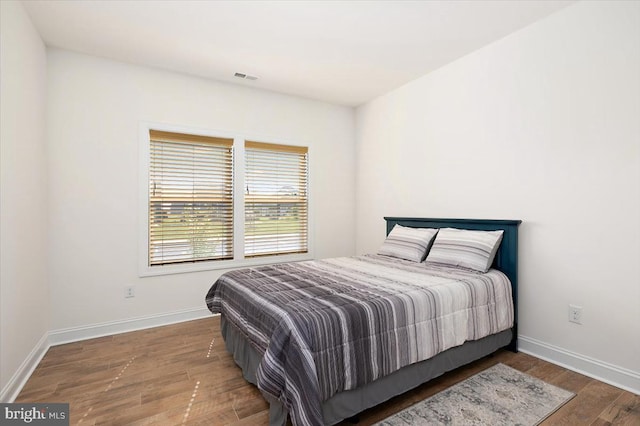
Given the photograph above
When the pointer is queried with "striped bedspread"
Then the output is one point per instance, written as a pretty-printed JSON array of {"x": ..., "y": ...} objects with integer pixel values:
[{"x": 330, "y": 325}]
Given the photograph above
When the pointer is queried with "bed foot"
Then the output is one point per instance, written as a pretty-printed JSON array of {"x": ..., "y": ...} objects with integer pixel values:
[{"x": 513, "y": 345}]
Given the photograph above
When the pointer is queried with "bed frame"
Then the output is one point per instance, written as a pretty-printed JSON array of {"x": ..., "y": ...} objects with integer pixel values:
[{"x": 348, "y": 404}]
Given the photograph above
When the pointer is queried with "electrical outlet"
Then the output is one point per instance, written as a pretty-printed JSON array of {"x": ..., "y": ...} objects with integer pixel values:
[
  {"x": 575, "y": 314},
  {"x": 129, "y": 292}
]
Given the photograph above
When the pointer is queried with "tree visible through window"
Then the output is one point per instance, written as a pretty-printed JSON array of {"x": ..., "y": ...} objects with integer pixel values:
[{"x": 190, "y": 198}]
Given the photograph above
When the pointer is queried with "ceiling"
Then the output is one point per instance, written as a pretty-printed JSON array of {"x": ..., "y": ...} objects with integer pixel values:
[{"x": 343, "y": 52}]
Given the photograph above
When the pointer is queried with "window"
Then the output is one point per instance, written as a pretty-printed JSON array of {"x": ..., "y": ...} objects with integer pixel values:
[
  {"x": 215, "y": 200},
  {"x": 190, "y": 198},
  {"x": 275, "y": 200}
]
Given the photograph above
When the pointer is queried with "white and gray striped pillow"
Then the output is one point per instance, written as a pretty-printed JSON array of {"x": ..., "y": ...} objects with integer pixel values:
[
  {"x": 465, "y": 249},
  {"x": 408, "y": 243}
]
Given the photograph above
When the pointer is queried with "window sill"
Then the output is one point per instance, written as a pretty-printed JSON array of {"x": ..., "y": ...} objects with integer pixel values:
[{"x": 152, "y": 271}]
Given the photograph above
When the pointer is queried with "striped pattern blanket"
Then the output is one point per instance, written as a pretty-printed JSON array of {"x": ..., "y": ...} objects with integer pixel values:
[{"x": 331, "y": 325}]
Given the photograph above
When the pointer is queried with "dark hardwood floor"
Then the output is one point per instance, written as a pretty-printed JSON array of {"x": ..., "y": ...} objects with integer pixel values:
[{"x": 182, "y": 374}]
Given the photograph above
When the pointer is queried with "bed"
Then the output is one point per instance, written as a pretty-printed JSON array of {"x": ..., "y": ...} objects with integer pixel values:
[{"x": 324, "y": 340}]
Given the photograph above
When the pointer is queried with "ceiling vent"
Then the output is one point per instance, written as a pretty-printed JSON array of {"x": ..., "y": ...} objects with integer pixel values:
[{"x": 245, "y": 76}]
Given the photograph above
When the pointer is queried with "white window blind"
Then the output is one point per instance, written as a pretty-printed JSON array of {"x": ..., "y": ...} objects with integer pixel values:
[
  {"x": 190, "y": 198},
  {"x": 276, "y": 199}
]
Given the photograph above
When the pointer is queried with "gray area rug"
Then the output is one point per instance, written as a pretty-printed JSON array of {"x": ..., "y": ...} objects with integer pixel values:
[{"x": 499, "y": 395}]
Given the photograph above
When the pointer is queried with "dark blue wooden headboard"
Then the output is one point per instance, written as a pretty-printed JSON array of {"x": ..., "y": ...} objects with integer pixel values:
[{"x": 506, "y": 259}]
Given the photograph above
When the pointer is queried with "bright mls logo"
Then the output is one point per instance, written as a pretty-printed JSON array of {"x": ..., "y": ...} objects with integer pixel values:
[{"x": 34, "y": 414}]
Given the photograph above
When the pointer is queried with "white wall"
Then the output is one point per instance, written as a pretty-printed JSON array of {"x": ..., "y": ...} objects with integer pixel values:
[
  {"x": 24, "y": 295},
  {"x": 94, "y": 109},
  {"x": 542, "y": 126}
]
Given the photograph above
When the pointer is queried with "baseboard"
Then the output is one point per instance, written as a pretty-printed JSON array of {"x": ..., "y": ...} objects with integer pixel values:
[
  {"x": 607, "y": 373},
  {"x": 75, "y": 334},
  {"x": 14, "y": 386}
]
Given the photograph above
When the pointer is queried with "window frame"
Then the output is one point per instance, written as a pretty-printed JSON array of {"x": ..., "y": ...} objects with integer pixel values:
[{"x": 238, "y": 261}]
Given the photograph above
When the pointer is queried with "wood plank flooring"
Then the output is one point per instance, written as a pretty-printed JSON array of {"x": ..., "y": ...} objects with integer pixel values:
[{"x": 182, "y": 374}]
